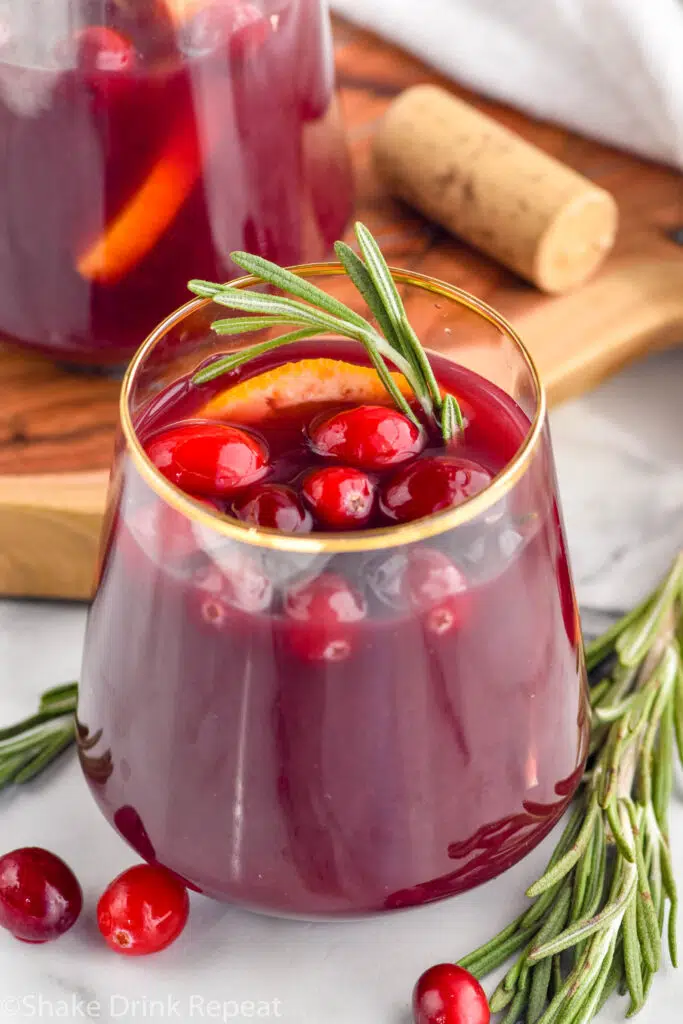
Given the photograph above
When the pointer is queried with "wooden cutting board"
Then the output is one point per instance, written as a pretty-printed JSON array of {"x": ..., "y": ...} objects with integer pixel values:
[{"x": 56, "y": 428}]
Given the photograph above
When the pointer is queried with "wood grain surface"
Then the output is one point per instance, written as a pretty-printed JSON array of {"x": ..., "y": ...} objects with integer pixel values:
[{"x": 57, "y": 427}]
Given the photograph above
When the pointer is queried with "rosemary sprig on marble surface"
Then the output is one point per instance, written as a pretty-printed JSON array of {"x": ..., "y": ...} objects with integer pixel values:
[
  {"x": 608, "y": 895},
  {"x": 28, "y": 747}
]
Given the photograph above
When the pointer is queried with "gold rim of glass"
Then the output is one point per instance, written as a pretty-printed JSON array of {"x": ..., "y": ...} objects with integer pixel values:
[{"x": 361, "y": 540}]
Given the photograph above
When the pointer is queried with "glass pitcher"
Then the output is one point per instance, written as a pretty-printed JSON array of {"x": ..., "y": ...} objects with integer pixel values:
[{"x": 144, "y": 140}]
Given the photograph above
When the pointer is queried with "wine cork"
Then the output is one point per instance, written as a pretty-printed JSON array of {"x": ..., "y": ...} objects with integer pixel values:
[{"x": 489, "y": 186}]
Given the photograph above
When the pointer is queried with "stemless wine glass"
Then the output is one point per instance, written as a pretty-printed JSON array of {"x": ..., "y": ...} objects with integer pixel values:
[
  {"x": 422, "y": 757},
  {"x": 144, "y": 140}
]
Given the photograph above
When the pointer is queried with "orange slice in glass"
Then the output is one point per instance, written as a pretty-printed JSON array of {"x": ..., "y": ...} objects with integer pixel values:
[{"x": 294, "y": 386}]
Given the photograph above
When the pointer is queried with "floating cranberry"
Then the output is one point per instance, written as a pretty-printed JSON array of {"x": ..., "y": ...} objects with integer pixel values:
[
  {"x": 340, "y": 497},
  {"x": 437, "y": 589},
  {"x": 322, "y": 613},
  {"x": 104, "y": 49},
  {"x": 208, "y": 459},
  {"x": 431, "y": 484},
  {"x": 237, "y": 582},
  {"x": 212, "y": 609},
  {"x": 446, "y": 994},
  {"x": 274, "y": 506},
  {"x": 368, "y": 436},
  {"x": 40, "y": 897},
  {"x": 143, "y": 911}
]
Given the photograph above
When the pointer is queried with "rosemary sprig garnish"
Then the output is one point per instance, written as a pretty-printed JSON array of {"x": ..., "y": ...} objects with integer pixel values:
[
  {"x": 28, "y": 747},
  {"x": 312, "y": 312},
  {"x": 600, "y": 909}
]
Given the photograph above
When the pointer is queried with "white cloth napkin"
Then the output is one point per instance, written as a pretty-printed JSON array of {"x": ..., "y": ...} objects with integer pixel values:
[{"x": 610, "y": 69}]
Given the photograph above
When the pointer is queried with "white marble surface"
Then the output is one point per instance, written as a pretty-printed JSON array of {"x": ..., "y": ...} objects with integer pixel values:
[{"x": 620, "y": 461}]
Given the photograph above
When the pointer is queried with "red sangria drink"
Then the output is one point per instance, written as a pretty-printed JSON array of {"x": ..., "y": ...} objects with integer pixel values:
[
  {"x": 142, "y": 142},
  {"x": 333, "y": 665}
]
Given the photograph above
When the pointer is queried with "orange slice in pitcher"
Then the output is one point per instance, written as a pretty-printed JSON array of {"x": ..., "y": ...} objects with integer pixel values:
[
  {"x": 299, "y": 385},
  {"x": 181, "y": 11},
  {"x": 145, "y": 217},
  {"x": 141, "y": 222}
]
